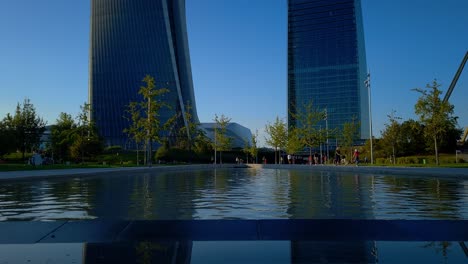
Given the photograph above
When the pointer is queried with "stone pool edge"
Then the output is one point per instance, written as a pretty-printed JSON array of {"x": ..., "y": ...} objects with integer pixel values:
[
  {"x": 374, "y": 170},
  {"x": 406, "y": 171},
  {"x": 44, "y": 174}
]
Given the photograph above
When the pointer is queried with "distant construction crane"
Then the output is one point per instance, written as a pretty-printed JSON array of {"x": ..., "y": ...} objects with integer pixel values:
[{"x": 450, "y": 90}]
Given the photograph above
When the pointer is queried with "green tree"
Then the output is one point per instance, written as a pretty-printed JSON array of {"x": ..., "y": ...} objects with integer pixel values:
[
  {"x": 246, "y": 150},
  {"x": 86, "y": 140},
  {"x": 349, "y": 136},
  {"x": 202, "y": 143},
  {"x": 63, "y": 136},
  {"x": 147, "y": 120},
  {"x": 448, "y": 140},
  {"x": 412, "y": 138},
  {"x": 189, "y": 132},
  {"x": 308, "y": 119},
  {"x": 222, "y": 142},
  {"x": 435, "y": 114},
  {"x": 253, "y": 150},
  {"x": 27, "y": 127},
  {"x": 7, "y": 139},
  {"x": 278, "y": 135},
  {"x": 391, "y": 134},
  {"x": 135, "y": 130},
  {"x": 294, "y": 143}
]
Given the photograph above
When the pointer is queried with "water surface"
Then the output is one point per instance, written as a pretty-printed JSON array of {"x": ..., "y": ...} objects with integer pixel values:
[{"x": 236, "y": 194}]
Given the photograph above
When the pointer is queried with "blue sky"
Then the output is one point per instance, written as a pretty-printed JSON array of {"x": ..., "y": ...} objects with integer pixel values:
[{"x": 238, "y": 53}]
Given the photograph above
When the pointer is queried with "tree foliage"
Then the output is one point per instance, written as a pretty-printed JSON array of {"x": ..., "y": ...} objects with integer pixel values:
[
  {"x": 222, "y": 142},
  {"x": 349, "y": 136},
  {"x": 26, "y": 126},
  {"x": 412, "y": 140},
  {"x": 151, "y": 106},
  {"x": 294, "y": 143},
  {"x": 253, "y": 150},
  {"x": 143, "y": 115},
  {"x": 187, "y": 134},
  {"x": 435, "y": 114},
  {"x": 63, "y": 134},
  {"x": 308, "y": 119},
  {"x": 391, "y": 134},
  {"x": 278, "y": 135},
  {"x": 86, "y": 141},
  {"x": 135, "y": 130},
  {"x": 7, "y": 139}
]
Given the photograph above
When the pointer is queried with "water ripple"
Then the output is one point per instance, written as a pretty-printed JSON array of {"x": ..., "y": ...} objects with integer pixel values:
[{"x": 236, "y": 194}]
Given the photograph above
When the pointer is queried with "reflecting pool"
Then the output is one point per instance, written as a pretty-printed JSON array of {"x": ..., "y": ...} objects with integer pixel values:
[{"x": 235, "y": 194}]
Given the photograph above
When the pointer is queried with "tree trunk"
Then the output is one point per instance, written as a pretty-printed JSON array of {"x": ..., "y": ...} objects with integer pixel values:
[
  {"x": 220, "y": 157},
  {"x": 393, "y": 150},
  {"x": 436, "y": 151},
  {"x": 309, "y": 159},
  {"x": 276, "y": 150},
  {"x": 138, "y": 161}
]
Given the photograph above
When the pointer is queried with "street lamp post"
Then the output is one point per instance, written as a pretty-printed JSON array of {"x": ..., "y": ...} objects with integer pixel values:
[{"x": 368, "y": 85}]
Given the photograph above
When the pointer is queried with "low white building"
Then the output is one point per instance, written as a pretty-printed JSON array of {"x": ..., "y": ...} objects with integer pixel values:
[{"x": 238, "y": 133}]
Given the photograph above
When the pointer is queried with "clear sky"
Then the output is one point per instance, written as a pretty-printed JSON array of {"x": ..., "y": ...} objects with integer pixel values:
[{"x": 239, "y": 56}]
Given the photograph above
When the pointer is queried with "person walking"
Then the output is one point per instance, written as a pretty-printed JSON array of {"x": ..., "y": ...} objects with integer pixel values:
[
  {"x": 356, "y": 156},
  {"x": 337, "y": 156}
]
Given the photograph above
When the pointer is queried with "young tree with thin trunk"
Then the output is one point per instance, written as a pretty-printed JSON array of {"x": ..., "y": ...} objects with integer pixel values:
[
  {"x": 391, "y": 134},
  {"x": 147, "y": 122},
  {"x": 253, "y": 150},
  {"x": 294, "y": 143},
  {"x": 222, "y": 142},
  {"x": 135, "y": 130},
  {"x": 309, "y": 131},
  {"x": 435, "y": 114},
  {"x": 349, "y": 136},
  {"x": 188, "y": 133},
  {"x": 151, "y": 106},
  {"x": 278, "y": 135},
  {"x": 87, "y": 142},
  {"x": 62, "y": 136}
]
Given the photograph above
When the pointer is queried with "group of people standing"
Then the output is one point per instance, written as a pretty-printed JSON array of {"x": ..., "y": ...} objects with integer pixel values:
[{"x": 341, "y": 159}]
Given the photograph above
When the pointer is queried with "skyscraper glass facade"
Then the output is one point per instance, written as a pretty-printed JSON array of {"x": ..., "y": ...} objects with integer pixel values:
[
  {"x": 327, "y": 62},
  {"x": 129, "y": 40}
]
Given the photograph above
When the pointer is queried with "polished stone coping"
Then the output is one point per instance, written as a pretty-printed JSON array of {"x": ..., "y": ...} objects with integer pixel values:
[
  {"x": 461, "y": 173},
  {"x": 111, "y": 231},
  {"x": 373, "y": 170},
  {"x": 36, "y": 174}
]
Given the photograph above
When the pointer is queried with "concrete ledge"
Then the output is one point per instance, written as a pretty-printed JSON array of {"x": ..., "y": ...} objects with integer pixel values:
[
  {"x": 373, "y": 170},
  {"x": 107, "y": 231},
  {"x": 37, "y": 174},
  {"x": 405, "y": 171}
]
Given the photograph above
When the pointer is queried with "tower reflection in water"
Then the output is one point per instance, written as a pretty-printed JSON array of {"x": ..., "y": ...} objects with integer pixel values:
[
  {"x": 300, "y": 195},
  {"x": 335, "y": 197}
]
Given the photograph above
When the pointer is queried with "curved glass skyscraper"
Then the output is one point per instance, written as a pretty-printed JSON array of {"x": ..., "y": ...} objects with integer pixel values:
[
  {"x": 130, "y": 39},
  {"x": 327, "y": 61}
]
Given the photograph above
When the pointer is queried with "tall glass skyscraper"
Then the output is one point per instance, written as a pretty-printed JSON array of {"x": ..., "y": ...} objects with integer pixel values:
[
  {"x": 130, "y": 39},
  {"x": 327, "y": 61}
]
